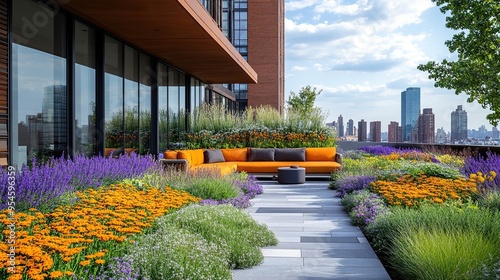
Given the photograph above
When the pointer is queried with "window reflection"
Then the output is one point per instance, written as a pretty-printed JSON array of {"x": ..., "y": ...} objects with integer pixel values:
[
  {"x": 131, "y": 100},
  {"x": 146, "y": 83},
  {"x": 113, "y": 95},
  {"x": 39, "y": 122},
  {"x": 85, "y": 86}
]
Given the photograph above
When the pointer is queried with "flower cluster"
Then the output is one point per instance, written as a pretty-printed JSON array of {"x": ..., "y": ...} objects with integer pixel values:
[
  {"x": 74, "y": 236},
  {"x": 392, "y": 153},
  {"x": 42, "y": 183},
  {"x": 408, "y": 190},
  {"x": 368, "y": 210},
  {"x": 352, "y": 183},
  {"x": 482, "y": 180},
  {"x": 491, "y": 162}
]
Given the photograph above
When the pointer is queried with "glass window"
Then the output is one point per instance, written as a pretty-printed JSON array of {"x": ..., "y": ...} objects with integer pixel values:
[
  {"x": 173, "y": 106},
  {"x": 131, "y": 99},
  {"x": 38, "y": 89},
  {"x": 163, "y": 107},
  {"x": 182, "y": 106},
  {"x": 146, "y": 82},
  {"x": 85, "y": 86},
  {"x": 113, "y": 94}
]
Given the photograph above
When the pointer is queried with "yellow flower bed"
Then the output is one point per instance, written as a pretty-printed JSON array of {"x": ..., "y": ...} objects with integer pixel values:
[
  {"x": 408, "y": 190},
  {"x": 412, "y": 155},
  {"x": 69, "y": 237}
]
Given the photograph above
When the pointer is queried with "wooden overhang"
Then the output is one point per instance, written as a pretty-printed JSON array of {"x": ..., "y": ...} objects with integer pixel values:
[{"x": 180, "y": 32}]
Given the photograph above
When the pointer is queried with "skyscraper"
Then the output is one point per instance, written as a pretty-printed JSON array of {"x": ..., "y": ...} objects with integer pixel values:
[
  {"x": 393, "y": 132},
  {"x": 362, "y": 131},
  {"x": 426, "y": 127},
  {"x": 458, "y": 125},
  {"x": 410, "y": 109},
  {"x": 350, "y": 128},
  {"x": 376, "y": 131},
  {"x": 340, "y": 126}
]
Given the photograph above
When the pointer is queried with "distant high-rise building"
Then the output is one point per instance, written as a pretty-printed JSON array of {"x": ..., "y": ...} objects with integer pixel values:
[
  {"x": 350, "y": 128},
  {"x": 495, "y": 133},
  {"x": 376, "y": 131},
  {"x": 362, "y": 133},
  {"x": 441, "y": 136},
  {"x": 426, "y": 126},
  {"x": 458, "y": 125},
  {"x": 392, "y": 129},
  {"x": 340, "y": 126},
  {"x": 410, "y": 109}
]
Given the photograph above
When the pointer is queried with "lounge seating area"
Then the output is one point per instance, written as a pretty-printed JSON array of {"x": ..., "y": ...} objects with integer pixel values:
[{"x": 316, "y": 161}]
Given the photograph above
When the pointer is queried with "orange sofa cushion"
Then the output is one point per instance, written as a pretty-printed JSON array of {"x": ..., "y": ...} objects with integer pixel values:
[
  {"x": 170, "y": 155},
  {"x": 321, "y": 154},
  {"x": 238, "y": 154},
  {"x": 194, "y": 157}
]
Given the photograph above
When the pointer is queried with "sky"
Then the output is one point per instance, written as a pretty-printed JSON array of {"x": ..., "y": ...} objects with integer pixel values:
[{"x": 363, "y": 53}]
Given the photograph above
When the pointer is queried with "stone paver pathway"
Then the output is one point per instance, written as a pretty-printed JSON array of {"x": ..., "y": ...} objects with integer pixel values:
[{"x": 316, "y": 238}]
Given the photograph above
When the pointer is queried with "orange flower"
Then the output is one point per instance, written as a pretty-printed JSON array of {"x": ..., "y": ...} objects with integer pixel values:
[{"x": 56, "y": 274}]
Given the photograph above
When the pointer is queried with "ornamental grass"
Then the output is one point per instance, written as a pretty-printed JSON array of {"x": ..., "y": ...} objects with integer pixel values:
[
  {"x": 408, "y": 190},
  {"x": 82, "y": 236},
  {"x": 263, "y": 127}
]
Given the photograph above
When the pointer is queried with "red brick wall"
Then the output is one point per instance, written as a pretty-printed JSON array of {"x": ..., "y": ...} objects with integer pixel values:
[{"x": 266, "y": 52}]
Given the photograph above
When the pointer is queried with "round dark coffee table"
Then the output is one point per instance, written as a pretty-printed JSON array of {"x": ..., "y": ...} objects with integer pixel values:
[{"x": 291, "y": 175}]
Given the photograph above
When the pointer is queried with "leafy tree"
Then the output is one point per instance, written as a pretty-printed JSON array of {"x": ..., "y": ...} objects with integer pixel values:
[
  {"x": 303, "y": 102},
  {"x": 477, "y": 43}
]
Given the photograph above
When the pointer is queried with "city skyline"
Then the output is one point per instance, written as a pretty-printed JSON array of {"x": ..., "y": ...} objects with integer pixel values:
[{"x": 362, "y": 54}]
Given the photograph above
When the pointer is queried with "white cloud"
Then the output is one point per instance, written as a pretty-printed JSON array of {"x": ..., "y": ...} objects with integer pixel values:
[
  {"x": 299, "y": 68},
  {"x": 300, "y": 4}
]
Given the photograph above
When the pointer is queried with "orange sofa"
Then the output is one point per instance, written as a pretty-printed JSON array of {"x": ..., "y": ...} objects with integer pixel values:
[{"x": 258, "y": 161}]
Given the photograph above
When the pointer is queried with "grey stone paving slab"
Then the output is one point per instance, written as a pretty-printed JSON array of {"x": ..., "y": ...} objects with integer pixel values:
[
  {"x": 326, "y": 246},
  {"x": 338, "y": 253},
  {"x": 317, "y": 241},
  {"x": 313, "y": 239},
  {"x": 309, "y": 209}
]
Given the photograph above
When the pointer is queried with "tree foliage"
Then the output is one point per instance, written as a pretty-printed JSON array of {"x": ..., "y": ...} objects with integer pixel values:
[
  {"x": 476, "y": 72},
  {"x": 303, "y": 102}
]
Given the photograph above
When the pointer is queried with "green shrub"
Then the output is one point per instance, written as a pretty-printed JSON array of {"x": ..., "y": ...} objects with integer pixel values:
[
  {"x": 173, "y": 253},
  {"x": 431, "y": 169},
  {"x": 212, "y": 188},
  {"x": 233, "y": 230},
  {"x": 204, "y": 183},
  {"x": 437, "y": 254}
]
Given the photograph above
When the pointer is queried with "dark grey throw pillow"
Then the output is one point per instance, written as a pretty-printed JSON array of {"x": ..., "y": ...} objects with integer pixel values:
[
  {"x": 211, "y": 156},
  {"x": 261, "y": 154},
  {"x": 294, "y": 154}
]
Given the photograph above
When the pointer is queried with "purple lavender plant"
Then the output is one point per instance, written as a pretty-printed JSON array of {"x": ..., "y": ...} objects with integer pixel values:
[
  {"x": 368, "y": 210},
  {"x": 118, "y": 268},
  {"x": 491, "y": 162},
  {"x": 42, "y": 183},
  {"x": 387, "y": 150},
  {"x": 352, "y": 183}
]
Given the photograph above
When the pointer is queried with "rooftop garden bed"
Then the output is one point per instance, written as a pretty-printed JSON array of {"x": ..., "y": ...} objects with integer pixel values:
[
  {"x": 124, "y": 218},
  {"x": 427, "y": 215}
]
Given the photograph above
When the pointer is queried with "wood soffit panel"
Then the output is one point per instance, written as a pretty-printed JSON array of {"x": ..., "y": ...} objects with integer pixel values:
[{"x": 180, "y": 32}]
